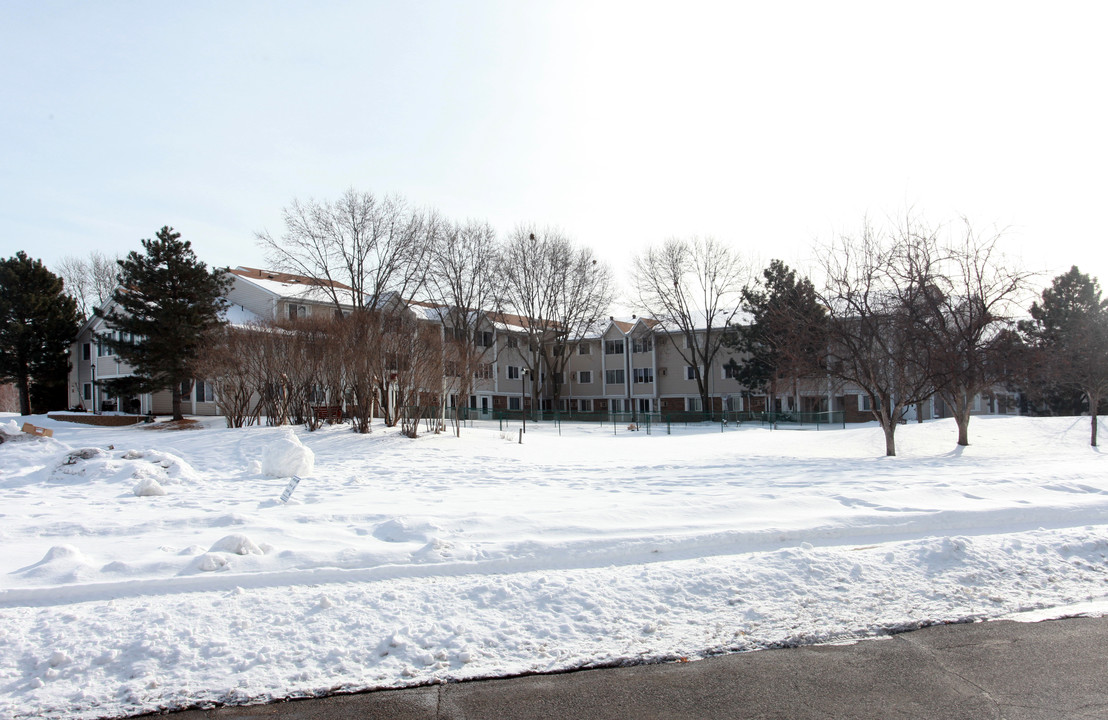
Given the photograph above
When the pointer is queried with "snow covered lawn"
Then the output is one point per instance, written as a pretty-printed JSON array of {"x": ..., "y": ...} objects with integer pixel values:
[{"x": 146, "y": 569}]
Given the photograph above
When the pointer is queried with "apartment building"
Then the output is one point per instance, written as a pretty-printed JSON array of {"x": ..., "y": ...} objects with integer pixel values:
[{"x": 633, "y": 365}]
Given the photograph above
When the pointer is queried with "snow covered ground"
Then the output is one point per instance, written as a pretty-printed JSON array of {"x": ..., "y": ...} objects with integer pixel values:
[{"x": 145, "y": 569}]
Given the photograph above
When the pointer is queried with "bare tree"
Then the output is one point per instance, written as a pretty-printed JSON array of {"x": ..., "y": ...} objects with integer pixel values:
[
  {"x": 693, "y": 288},
  {"x": 559, "y": 291},
  {"x": 307, "y": 367},
  {"x": 416, "y": 358},
  {"x": 872, "y": 283},
  {"x": 372, "y": 247},
  {"x": 225, "y": 361},
  {"x": 358, "y": 346},
  {"x": 465, "y": 286},
  {"x": 965, "y": 313},
  {"x": 89, "y": 280}
]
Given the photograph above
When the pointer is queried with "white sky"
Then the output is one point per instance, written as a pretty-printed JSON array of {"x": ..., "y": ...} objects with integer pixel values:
[{"x": 770, "y": 126}]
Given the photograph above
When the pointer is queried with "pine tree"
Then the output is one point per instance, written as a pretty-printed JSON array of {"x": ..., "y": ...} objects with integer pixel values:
[
  {"x": 786, "y": 337},
  {"x": 167, "y": 300},
  {"x": 1069, "y": 336},
  {"x": 38, "y": 321}
]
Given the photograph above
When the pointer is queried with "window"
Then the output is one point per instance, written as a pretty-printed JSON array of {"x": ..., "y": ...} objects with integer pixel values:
[
  {"x": 583, "y": 349},
  {"x": 644, "y": 375},
  {"x": 559, "y": 378},
  {"x": 513, "y": 403},
  {"x": 483, "y": 371},
  {"x": 296, "y": 311},
  {"x": 513, "y": 372},
  {"x": 450, "y": 369},
  {"x": 483, "y": 338},
  {"x": 205, "y": 392},
  {"x": 694, "y": 404},
  {"x": 613, "y": 347},
  {"x": 690, "y": 372},
  {"x": 512, "y": 342},
  {"x": 731, "y": 371},
  {"x": 584, "y": 377},
  {"x": 86, "y": 353},
  {"x": 88, "y": 388},
  {"x": 614, "y": 377},
  {"x": 584, "y": 405},
  {"x": 557, "y": 350},
  {"x": 459, "y": 333},
  {"x": 642, "y": 344},
  {"x": 644, "y": 405},
  {"x": 864, "y": 404}
]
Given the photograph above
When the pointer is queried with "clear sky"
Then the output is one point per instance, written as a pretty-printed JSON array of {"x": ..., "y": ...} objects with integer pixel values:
[{"x": 772, "y": 126}]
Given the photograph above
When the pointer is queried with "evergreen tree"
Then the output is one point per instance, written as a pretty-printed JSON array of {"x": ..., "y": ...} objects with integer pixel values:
[
  {"x": 786, "y": 337},
  {"x": 165, "y": 303},
  {"x": 1068, "y": 333},
  {"x": 38, "y": 321}
]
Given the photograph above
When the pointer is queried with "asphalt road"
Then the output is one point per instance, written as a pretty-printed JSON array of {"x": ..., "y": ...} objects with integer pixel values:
[{"x": 1017, "y": 671}]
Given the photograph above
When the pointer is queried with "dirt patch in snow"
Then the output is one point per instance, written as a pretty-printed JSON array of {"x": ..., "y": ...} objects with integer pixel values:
[{"x": 185, "y": 424}]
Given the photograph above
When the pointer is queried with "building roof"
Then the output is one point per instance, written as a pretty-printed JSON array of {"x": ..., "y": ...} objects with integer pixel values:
[
  {"x": 285, "y": 278},
  {"x": 286, "y": 285}
]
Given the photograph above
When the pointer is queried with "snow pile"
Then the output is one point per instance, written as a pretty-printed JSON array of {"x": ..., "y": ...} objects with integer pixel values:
[
  {"x": 287, "y": 456},
  {"x": 406, "y": 563},
  {"x": 173, "y": 468},
  {"x": 238, "y": 544},
  {"x": 148, "y": 487}
]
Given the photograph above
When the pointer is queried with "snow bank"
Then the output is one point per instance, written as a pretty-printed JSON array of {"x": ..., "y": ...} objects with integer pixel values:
[{"x": 406, "y": 563}]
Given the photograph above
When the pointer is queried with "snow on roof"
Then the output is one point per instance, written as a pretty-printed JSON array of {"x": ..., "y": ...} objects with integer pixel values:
[
  {"x": 310, "y": 293},
  {"x": 426, "y": 311},
  {"x": 294, "y": 287},
  {"x": 700, "y": 321},
  {"x": 238, "y": 315},
  {"x": 285, "y": 278}
]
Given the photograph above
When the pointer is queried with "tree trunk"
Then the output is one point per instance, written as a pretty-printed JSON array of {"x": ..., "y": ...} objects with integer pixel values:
[
  {"x": 889, "y": 427},
  {"x": 1094, "y": 403},
  {"x": 177, "y": 405},
  {"x": 959, "y": 402},
  {"x": 961, "y": 418},
  {"x": 24, "y": 395}
]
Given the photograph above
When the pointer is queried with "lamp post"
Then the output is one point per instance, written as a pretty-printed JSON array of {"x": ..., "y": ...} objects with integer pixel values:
[{"x": 523, "y": 396}]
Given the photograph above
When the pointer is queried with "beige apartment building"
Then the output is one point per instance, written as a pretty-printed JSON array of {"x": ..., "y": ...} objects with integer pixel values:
[{"x": 632, "y": 366}]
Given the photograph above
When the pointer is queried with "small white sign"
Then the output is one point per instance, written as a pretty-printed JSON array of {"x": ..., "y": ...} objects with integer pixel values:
[{"x": 288, "y": 490}]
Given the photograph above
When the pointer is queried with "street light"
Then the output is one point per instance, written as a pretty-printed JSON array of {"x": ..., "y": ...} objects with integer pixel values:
[{"x": 522, "y": 396}]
